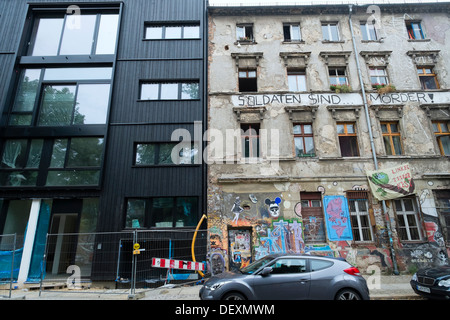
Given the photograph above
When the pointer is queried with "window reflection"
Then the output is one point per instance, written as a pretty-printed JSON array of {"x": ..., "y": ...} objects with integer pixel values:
[{"x": 83, "y": 34}]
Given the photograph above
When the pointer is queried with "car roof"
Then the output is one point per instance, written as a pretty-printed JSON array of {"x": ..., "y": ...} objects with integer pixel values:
[{"x": 277, "y": 255}]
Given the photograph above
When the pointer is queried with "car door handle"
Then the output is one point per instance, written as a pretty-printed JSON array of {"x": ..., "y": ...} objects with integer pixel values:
[{"x": 304, "y": 280}]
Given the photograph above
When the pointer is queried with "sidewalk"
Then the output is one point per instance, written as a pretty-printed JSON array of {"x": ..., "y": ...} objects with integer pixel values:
[{"x": 389, "y": 288}]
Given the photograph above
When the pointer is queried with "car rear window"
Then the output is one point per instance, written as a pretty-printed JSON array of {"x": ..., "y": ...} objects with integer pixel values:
[{"x": 317, "y": 265}]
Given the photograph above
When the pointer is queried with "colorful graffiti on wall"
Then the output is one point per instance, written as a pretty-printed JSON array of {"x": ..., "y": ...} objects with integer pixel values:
[{"x": 281, "y": 237}]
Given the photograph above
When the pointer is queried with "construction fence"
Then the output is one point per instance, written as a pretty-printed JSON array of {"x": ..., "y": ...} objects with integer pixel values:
[{"x": 114, "y": 260}]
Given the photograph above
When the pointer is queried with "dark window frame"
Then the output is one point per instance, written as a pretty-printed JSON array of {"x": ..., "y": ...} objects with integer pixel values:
[{"x": 148, "y": 219}]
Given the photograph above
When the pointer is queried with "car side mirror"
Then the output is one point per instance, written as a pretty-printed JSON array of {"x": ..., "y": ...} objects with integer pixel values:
[{"x": 266, "y": 271}]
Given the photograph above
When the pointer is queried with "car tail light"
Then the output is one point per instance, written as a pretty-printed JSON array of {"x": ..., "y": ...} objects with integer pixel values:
[{"x": 353, "y": 271}]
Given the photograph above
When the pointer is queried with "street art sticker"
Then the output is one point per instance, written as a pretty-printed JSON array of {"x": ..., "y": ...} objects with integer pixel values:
[
  {"x": 391, "y": 183},
  {"x": 337, "y": 218},
  {"x": 274, "y": 207},
  {"x": 282, "y": 237}
]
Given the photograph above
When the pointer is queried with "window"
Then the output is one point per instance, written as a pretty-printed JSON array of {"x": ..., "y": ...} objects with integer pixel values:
[
  {"x": 359, "y": 213},
  {"x": 378, "y": 76},
  {"x": 317, "y": 265},
  {"x": 20, "y": 162},
  {"x": 162, "y": 212},
  {"x": 441, "y": 130},
  {"x": 303, "y": 140},
  {"x": 250, "y": 140},
  {"x": 408, "y": 219},
  {"x": 77, "y": 34},
  {"x": 170, "y": 153},
  {"x": 369, "y": 33},
  {"x": 159, "y": 32},
  {"x": 247, "y": 81},
  {"x": 244, "y": 32},
  {"x": 81, "y": 96},
  {"x": 415, "y": 31},
  {"x": 297, "y": 80},
  {"x": 170, "y": 91},
  {"x": 330, "y": 31},
  {"x": 427, "y": 77},
  {"x": 347, "y": 139},
  {"x": 391, "y": 138},
  {"x": 291, "y": 32},
  {"x": 443, "y": 207},
  {"x": 75, "y": 161},
  {"x": 72, "y": 161},
  {"x": 338, "y": 76},
  {"x": 312, "y": 213},
  {"x": 292, "y": 265}
]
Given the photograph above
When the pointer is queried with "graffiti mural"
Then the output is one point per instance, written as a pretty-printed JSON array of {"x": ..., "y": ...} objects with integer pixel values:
[
  {"x": 281, "y": 237},
  {"x": 337, "y": 218}
]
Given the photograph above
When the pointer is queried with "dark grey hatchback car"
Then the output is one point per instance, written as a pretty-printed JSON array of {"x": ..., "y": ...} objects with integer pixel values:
[{"x": 289, "y": 277}]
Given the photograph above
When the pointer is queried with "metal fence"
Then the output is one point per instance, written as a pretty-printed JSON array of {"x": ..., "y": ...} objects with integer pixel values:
[
  {"x": 10, "y": 257},
  {"x": 111, "y": 259}
]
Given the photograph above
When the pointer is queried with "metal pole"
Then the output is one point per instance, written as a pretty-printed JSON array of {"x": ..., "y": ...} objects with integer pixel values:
[
  {"x": 369, "y": 125},
  {"x": 12, "y": 266},
  {"x": 133, "y": 265}
]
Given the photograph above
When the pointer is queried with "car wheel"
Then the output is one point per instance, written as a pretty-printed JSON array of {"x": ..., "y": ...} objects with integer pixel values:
[
  {"x": 233, "y": 296},
  {"x": 347, "y": 294}
]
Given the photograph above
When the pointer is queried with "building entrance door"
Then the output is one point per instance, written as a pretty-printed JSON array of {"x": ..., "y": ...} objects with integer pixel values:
[
  {"x": 240, "y": 247},
  {"x": 63, "y": 236}
]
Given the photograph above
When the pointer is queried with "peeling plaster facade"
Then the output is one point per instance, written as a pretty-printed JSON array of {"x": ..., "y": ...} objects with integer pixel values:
[{"x": 255, "y": 204}]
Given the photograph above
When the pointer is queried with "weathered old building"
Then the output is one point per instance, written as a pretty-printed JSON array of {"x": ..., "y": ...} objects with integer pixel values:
[{"x": 305, "y": 103}]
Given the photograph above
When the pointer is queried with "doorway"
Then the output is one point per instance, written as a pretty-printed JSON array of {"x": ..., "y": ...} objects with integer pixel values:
[
  {"x": 240, "y": 247},
  {"x": 63, "y": 237}
]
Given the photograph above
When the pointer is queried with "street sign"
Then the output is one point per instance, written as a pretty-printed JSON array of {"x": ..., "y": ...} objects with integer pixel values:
[
  {"x": 136, "y": 246},
  {"x": 177, "y": 264}
]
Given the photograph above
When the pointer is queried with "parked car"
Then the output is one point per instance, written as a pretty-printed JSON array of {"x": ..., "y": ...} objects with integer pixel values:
[
  {"x": 432, "y": 283},
  {"x": 289, "y": 277}
]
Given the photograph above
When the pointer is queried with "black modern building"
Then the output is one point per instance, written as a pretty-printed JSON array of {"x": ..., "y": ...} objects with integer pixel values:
[{"x": 96, "y": 97}]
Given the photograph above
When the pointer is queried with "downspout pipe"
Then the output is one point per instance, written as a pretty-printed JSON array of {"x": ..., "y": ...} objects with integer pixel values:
[{"x": 372, "y": 145}]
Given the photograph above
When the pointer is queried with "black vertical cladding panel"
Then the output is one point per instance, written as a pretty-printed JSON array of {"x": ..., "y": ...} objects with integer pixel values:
[
  {"x": 134, "y": 121},
  {"x": 131, "y": 120}
]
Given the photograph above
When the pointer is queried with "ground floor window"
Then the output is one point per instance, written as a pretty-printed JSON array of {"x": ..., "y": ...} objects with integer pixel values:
[
  {"x": 408, "y": 219},
  {"x": 443, "y": 207},
  {"x": 162, "y": 212},
  {"x": 360, "y": 216}
]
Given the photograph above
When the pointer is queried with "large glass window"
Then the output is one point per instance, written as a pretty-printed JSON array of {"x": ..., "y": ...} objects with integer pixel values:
[
  {"x": 162, "y": 212},
  {"x": 77, "y": 34},
  {"x": 149, "y": 154},
  {"x": 75, "y": 161},
  {"x": 84, "y": 99},
  {"x": 20, "y": 162}
]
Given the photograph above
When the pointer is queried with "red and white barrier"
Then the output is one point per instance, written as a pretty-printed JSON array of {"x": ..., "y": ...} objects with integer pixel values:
[{"x": 177, "y": 264}]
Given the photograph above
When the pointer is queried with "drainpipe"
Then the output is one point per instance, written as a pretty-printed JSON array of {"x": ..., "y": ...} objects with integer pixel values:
[{"x": 372, "y": 146}]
